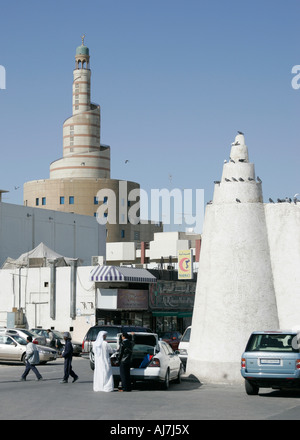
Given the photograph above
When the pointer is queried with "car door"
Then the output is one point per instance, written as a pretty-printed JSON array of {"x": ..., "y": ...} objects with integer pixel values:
[
  {"x": 8, "y": 349},
  {"x": 173, "y": 361}
]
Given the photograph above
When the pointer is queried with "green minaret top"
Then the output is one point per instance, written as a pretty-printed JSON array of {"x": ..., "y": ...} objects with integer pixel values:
[{"x": 82, "y": 50}]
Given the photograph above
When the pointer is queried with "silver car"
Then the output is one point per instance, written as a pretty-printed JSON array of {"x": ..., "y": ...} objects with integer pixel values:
[
  {"x": 271, "y": 360},
  {"x": 36, "y": 339},
  {"x": 13, "y": 349}
]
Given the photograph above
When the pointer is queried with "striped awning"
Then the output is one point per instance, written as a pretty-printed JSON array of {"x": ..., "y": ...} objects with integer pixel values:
[{"x": 114, "y": 273}]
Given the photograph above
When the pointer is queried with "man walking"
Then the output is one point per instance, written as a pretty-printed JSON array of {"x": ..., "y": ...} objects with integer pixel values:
[
  {"x": 67, "y": 355},
  {"x": 32, "y": 359}
]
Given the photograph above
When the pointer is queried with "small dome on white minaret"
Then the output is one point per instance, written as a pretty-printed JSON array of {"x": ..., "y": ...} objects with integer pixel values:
[
  {"x": 239, "y": 150},
  {"x": 238, "y": 180}
]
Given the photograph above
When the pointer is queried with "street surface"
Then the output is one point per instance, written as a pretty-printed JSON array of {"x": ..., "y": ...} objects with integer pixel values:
[{"x": 50, "y": 400}]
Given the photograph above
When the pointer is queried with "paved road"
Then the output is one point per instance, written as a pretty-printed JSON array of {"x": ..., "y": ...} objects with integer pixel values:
[{"x": 50, "y": 400}]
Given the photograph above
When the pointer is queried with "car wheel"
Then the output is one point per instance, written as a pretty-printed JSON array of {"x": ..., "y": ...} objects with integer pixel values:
[
  {"x": 178, "y": 380},
  {"x": 166, "y": 382},
  {"x": 23, "y": 358},
  {"x": 92, "y": 360},
  {"x": 251, "y": 389}
]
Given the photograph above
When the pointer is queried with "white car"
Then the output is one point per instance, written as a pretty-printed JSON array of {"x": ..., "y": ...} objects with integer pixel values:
[
  {"x": 184, "y": 345},
  {"x": 152, "y": 361}
]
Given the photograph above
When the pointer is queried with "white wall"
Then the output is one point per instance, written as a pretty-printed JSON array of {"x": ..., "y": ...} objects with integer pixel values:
[
  {"x": 120, "y": 251},
  {"x": 283, "y": 224},
  {"x": 167, "y": 244},
  {"x": 72, "y": 235},
  {"x": 29, "y": 289}
]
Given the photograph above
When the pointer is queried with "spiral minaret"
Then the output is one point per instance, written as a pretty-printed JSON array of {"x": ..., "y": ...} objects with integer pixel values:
[{"x": 83, "y": 155}]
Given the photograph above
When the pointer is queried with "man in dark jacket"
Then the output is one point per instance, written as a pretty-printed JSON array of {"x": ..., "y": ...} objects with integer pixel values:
[
  {"x": 67, "y": 355},
  {"x": 125, "y": 356}
]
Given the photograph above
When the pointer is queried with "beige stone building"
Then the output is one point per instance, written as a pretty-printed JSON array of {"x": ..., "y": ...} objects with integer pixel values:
[{"x": 76, "y": 178}]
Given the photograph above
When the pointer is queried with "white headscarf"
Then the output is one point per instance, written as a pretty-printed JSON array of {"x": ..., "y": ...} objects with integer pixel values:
[{"x": 98, "y": 343}]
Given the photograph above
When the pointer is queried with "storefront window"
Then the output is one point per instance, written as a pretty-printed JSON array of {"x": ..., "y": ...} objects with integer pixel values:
[{"x": 166, "y": 323}]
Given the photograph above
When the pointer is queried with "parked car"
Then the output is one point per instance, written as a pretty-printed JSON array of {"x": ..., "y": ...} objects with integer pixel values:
[
  {"x": 172, "y": 338},
  {"x": 13, "y": 348},
  {"x": 271, "y": 360},
  {"x": 36, "y": 339},
  {"x": 112, "y": 337},
  {"x": 60, "y": 340},
  {"x": 183, "y": 346},
  {"x": 152, "y": 361}
]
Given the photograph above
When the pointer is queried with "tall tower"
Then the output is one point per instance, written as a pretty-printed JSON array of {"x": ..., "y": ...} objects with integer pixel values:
[
  {"x": 84, "y": 169},
  {"x": 83, "y": 155},
  {"x": 235, "y": 292}
]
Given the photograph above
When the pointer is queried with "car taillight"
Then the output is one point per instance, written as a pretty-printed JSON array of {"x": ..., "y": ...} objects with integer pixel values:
[
  {"x": 154, "y": 363},
  {"x": 243, "y": 363},
  {"x": 298, "y": 364},
  {"x": 35, "y": 341}
]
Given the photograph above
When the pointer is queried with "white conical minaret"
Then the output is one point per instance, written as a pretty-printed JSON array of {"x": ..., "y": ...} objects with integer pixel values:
[{"x": 235, "y": 293}]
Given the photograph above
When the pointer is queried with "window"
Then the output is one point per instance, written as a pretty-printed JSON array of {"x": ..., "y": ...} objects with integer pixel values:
[
  {"x": 43, "y": 200},
  {"x": 122, "y": 233},
  {"x": 37, "y": 202},
  {"x": 105, "y": 199},
  {"x": 71, "y": 200},
  {"x": 136, "y": 235},
  {"x": 62, "y": 200},
  {"x": 95, "y": 200}
]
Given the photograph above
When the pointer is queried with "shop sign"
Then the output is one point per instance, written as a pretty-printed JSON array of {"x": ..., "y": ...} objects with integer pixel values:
[
  {"x": 185, "y": 264},
  {"x": 130, "y": 299},
  {"x": 168, "y": 295}
]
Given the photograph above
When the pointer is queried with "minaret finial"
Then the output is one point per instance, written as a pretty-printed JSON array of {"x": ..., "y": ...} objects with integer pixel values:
[{"x": 82, "y": 39}]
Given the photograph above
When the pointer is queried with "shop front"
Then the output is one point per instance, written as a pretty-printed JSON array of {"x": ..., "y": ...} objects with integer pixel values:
[
  {"x": 171, "y": 304},
  {"x": 122, "y": 295}
]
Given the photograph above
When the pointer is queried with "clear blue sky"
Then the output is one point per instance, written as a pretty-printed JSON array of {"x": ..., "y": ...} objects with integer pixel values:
[{"x": 175, "y": 81}]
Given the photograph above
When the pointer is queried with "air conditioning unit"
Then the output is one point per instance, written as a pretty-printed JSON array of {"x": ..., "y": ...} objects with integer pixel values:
[{"x": 98, "y": 260}]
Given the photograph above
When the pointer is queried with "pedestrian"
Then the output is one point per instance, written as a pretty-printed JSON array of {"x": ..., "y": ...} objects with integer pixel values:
[
  {"x": 67, "y": 355},
  {"x": 103, "y": 377},
  {"x": 51, "y": 338},
  {"x": 32, "y": 359},
  {"x": 125, "y": 356}
]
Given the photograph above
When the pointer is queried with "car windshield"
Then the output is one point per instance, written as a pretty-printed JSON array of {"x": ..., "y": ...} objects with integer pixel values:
[
  {"x": 273, "y": 342},
  {"x": 27, "y": 332},
  {"x": 145, "y": 349},
  {"x": 20, "y": 340},
  {"x": 186, "y": 336},
  {"x": 111, "y": 332},
  {"x": 57, "y": 334}
]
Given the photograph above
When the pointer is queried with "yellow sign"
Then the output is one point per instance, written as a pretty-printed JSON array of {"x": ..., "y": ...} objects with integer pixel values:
[{"x": 185, "y": 265}]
